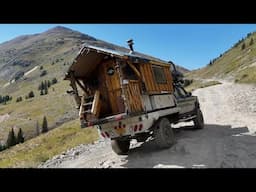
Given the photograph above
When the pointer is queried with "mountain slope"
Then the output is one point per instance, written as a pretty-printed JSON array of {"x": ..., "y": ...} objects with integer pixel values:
[{"x": 237, "y": 64}]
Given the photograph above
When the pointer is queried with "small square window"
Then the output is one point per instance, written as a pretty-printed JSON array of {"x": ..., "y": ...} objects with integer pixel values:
[{"x": 159, "y": 74}]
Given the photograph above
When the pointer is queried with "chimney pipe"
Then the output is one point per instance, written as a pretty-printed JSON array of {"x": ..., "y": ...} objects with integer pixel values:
[{"x": 130, "y": 44}]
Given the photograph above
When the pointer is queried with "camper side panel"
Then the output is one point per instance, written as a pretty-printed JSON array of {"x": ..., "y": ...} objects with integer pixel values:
[{"x": 157, "y": 78}]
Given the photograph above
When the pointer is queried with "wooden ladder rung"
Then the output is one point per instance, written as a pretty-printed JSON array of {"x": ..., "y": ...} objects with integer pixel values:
[
  {"x": 87, "y": 111},
  {"x": 86, "y": 104}
]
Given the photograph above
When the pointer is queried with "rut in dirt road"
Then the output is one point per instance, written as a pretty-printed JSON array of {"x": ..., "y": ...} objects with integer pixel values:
[{"x": 228, "y": 139}]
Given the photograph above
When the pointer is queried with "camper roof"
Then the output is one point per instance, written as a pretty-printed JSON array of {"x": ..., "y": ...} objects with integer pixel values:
[{"x": 90, "y": 56}]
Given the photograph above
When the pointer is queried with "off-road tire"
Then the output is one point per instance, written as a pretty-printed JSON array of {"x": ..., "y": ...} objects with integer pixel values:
[
  {"x": 120, "y": 147},
  {"x": 163, "y": 134},
  {"x": 199, "y": 120}
]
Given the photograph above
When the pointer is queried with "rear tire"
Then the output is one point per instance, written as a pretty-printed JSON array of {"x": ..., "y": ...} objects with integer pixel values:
[
  {"x": 120, "y": 147},
  {"x": 163, "y": 134},
  {"x": 199, "y": 120}
]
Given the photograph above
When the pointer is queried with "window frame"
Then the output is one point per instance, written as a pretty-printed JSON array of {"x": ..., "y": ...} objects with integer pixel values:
[{"x": 162, "y": 75}]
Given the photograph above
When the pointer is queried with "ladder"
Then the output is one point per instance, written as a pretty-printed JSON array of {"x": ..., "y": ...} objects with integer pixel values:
[{"x": 90, "y": 105}]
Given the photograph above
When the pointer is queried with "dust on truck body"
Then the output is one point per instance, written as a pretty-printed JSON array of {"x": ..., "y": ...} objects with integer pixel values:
[{"x": 127, "y": 95}]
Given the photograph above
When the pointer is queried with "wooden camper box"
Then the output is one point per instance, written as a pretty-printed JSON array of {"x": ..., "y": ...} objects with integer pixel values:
[{"x": 107, "y": 82}]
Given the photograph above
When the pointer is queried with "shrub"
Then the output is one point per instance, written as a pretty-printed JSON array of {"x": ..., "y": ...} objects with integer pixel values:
[
  {"x": 54, "y": 80},
  {"x": 19, "y": 99},
  {"x": 31, "y": 94},
  {"x": 43, "y": 73},
  {"x": 44, "y": 125}
]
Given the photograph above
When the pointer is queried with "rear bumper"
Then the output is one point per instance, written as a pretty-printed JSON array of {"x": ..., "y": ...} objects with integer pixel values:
[{"x": 123, "y": 125}]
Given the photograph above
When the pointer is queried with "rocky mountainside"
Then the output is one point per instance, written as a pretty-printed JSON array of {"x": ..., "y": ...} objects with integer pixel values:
[{"x": 57, "y": 45}]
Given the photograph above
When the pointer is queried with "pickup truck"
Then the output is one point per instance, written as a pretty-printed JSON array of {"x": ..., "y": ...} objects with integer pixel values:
[
  {"x": 157, "y": 125},
  {"x": 128, "y": 95}
]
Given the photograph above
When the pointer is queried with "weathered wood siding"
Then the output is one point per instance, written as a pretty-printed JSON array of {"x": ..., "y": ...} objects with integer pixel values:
[
  {"x": 105, "y": 103},
  {"x": 110, "y": 89},
  {"x": 152, "y": 86},
  {"x": 133, "y": 96},
  {"x": 113, "y": 88}
]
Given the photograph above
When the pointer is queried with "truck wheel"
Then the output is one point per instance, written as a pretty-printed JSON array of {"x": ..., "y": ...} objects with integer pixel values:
[
  {"x": 199, "y": 120},
  {"x": 163, "y": 134},
  {"x": 120, "y": 147}
]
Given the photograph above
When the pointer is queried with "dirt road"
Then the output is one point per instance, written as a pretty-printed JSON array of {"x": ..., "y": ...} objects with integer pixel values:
[{"x": 228, "y": 140}]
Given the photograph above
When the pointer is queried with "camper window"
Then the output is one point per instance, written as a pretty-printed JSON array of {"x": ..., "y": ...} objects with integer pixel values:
[
  {"x": 110, "y": 71},
  {"x": 159, "y": 75}
]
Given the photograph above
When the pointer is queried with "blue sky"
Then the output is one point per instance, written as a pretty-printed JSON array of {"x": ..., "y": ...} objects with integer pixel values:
[{"x": 188, "y": 45}]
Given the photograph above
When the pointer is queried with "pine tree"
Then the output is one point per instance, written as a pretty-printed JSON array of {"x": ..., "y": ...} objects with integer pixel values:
[
  {"x": 251, "y": 42},
  {"x": 49, "y": 83},
  {"x": 37, "y": 128},
  {"x": 46, "y": 90},
  {"x": 11, "y": 140},
  {"x": 4, "y": 101},
  {"x": 7, "y": 97},
  {"x": 44, "y": 125},
  {"x": 243, "y": 46},
  {"x": 42, "y": 85},
  {"x": 20, "y": 137}
]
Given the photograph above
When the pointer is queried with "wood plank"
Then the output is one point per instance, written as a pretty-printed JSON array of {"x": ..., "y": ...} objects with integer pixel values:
[
  {"x": 159, "y": 63},
  {"x": 157, "y": 85},
  {"x": 149, "y": 76},
  {"x": 133, "y": 95},
  {"x": 143, "y": 72},
  {"x": 105, "y": 103},
  {"x": 96, "y": 104},
  {"x": 134, "y": 69}
]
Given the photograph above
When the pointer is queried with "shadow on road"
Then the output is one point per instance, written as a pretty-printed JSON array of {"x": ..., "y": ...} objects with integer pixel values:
[{"x": 214, "y": 146}]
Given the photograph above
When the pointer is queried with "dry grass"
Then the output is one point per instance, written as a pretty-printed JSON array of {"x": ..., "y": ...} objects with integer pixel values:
[
  {"x": 57, "y": 106},
  {"x": 39, "y": 149},
  {"x": 197, "y": 84}
]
